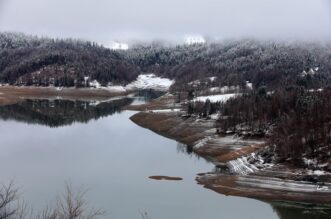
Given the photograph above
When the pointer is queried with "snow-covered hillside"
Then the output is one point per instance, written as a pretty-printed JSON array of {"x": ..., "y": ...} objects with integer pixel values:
[
  {"x": 143, "y": 81},
  {"x": 150, "y": 81}
]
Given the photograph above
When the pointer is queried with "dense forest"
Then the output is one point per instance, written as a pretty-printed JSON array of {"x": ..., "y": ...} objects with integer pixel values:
[
  {"x": 263, "y": 63},
  {"x": 27, "y": 60}
]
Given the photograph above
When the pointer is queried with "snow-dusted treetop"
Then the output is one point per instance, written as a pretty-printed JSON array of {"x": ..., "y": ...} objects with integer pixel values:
[
  {"x": 118, "y": 46},
  {"x": 191, "y": 40}
]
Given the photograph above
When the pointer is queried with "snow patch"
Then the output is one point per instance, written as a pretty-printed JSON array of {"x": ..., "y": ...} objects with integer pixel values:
[
  {"x": 311, "y": 72},
  {"x": 95, "y": 84},
  {"x": 249, "y": 85},
  {"x": 281, "y": 184},
  {"x": 216, "y": 98},
  {"x": 247, "y": 164},
  {"x": 150, "y": 81},
  {"x": 310, "y": 162},
  {"x": 212, "y": 79},
  {"x": 215, "y": 116},
  {"x": 146, "y": 81},
  {"x": 165, "y": 111},
  {"x": 202, "y": 142},
  {"x": 319, "y": 172},
  {"x": 192, "y": 40},
  {"x": 225, "y": 89},
  {"x": 118, "y": 46},
  {"x": 116, "y": 89}
]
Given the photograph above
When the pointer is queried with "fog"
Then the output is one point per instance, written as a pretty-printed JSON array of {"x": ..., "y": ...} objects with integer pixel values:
[{"x": 125, "y": 20}]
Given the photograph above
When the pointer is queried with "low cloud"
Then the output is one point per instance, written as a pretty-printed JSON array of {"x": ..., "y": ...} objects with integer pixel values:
[{"x": 124, "y": 20}]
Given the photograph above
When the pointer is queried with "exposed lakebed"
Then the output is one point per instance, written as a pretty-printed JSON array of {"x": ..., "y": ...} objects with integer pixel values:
[{"x": 94, "y": 145}]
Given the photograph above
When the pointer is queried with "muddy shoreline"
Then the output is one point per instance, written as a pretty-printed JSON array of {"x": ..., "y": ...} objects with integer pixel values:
[
  {"x": 200, "y": 135},
  {"x": 13, "y": 94},
  {"x": 276, "y": 182}
]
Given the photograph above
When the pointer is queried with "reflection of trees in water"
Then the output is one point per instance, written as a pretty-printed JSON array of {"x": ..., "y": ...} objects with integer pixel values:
[
  {"x": 55, "y": 113},
  {"x": 187, "y": 150},
  {"x": 301, "y": 211},
  {"x": 183, "y": 148},
  {"x": 147, "y": 95}
]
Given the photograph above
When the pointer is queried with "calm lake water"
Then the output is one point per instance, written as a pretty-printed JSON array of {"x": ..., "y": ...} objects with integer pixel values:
[{"x": 45, "y": 144}]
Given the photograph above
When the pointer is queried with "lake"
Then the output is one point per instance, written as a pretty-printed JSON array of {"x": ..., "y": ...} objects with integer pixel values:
[{"x": 48, "y": 143}]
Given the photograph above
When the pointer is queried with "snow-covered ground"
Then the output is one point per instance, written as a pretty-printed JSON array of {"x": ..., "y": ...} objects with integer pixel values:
[
  {"x": 116, "y": 89},
  {"x": 212, "y": 79},
  {"x": 165, "y": 111},
  {"x": 216, "y": 98},
  {"x": 94, "y": 84},
  {"x": 225, "y": 89},
  {"x": 247, "y": 164},
  {"x": 249, "y": 85},
  {"x": 144, "y": 81},
  {"x": 150, "y": 81}
]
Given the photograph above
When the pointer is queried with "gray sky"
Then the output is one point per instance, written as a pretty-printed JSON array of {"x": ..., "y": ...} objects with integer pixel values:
[{"x": 123, "y": 20}]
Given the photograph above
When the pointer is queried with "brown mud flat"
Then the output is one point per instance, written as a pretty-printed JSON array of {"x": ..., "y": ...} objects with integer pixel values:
[
  {"x": 277, "y": 183},
  {"x": 13, "y": 94},
  {"x": 170, "y": 125},
  {"x": 171, "y": 178},
  {"x": 191, "y": 132}
]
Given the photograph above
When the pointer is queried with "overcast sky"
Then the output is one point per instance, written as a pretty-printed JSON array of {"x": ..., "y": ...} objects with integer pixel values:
[{"x": 123, "y": 20}]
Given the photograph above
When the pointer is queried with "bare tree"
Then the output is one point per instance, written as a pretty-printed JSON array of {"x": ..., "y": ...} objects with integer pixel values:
[
  {"x": 145, "y": 215},
  {"x": 10, "y": 204},
  {"x": 71, "y": 205}
]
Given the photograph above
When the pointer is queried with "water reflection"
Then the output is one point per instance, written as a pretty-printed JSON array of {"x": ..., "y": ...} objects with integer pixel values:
[
  {"x": 56, "y": 113},
  {"x": 185, "y": 149},
  {"x": 302, "y": 211}
]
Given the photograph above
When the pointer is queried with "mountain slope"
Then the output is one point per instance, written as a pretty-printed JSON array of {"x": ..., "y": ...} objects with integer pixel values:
[{"x": 27, "y": 60}]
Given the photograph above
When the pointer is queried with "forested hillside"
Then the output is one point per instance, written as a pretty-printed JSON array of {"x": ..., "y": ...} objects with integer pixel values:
[
  {"x": 266, "y": 63},
  {"x": 26, "y": 60}
]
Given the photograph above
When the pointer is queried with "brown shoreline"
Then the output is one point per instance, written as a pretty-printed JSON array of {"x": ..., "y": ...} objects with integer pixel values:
[
  {"x": 189, "y": 132},
  {"x": 13, "y": 94},
  {"x": 276, "y": 183}
]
